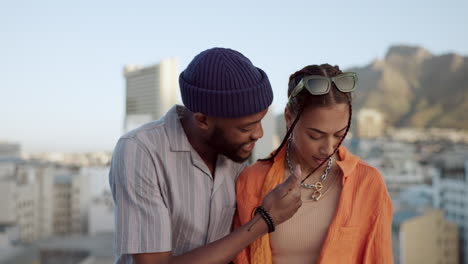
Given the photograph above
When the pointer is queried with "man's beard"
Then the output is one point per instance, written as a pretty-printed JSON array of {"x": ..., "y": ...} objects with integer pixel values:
[{"x": 221, "y": 145}]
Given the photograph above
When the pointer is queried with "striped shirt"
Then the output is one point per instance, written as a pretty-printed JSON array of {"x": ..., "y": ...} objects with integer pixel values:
[{"x": 165, "y": 196}]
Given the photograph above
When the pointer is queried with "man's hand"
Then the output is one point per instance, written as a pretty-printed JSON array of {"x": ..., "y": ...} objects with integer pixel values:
[{"x": 285, "y": 199}]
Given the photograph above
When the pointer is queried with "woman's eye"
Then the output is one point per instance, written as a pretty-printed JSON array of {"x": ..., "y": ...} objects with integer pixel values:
[{"x": 314, "y": 137}]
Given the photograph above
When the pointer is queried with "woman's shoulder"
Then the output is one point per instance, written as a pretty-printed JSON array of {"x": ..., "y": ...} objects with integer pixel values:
[
  {"x": 250, "y": 181},
  {"x": 368, "y": 173},
  {"x": 368, "y": 185},
  {"x": 252, "y": 172},
  {"x": 368, "y": 169},
  {"x": 359, "y": 170},
  {"x": 372, "y": 179}
]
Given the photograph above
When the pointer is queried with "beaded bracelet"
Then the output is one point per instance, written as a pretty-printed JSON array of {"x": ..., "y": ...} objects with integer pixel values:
[{"x": 267, "y": 217}]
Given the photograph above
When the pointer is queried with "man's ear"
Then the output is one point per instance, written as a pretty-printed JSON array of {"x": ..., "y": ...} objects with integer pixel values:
[{"x": 203, "y": 121}]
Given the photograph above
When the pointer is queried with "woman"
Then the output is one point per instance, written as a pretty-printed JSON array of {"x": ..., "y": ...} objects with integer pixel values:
[{"x": 346, "y": 213}]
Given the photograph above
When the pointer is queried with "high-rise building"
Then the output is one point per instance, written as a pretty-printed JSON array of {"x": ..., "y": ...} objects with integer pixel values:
[
  {"x": 451, "y": 192},
  {"x": 370, "y": 123},
  {"x": 150, "y": 92},
  {"x": 424, "y": 238}
]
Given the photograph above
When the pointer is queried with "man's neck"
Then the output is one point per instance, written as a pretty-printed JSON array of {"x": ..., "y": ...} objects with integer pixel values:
[{"x": 207, "y": 154}]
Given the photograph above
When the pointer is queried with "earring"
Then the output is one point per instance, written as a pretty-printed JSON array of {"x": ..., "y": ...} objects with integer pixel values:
[{"x": 290, "y": 140}]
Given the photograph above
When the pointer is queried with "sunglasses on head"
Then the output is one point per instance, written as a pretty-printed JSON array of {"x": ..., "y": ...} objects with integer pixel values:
[{"x": 319, "y": 85}]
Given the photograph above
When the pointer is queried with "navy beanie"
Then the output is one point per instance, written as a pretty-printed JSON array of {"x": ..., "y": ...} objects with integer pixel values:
[{"x": 224, "y": 83}]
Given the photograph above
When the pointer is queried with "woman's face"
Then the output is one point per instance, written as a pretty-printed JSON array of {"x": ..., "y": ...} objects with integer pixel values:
[{"x": 317, "y": 133}]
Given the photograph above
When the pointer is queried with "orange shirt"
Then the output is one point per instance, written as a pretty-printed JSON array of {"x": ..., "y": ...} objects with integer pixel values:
[{"x": 360, "y": 231}]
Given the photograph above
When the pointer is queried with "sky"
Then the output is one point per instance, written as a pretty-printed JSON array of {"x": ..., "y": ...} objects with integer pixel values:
[{"x": 61, "y": 62}]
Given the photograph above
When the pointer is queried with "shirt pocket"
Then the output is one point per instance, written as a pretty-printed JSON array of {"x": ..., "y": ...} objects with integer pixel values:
[{"x": 342, "y": 246}]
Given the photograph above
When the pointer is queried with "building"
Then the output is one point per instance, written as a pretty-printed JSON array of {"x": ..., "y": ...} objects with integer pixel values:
[
  {"x": 397, "y": 161},
  {"x": 62, "y": 202},
  {"x": 8, "y": 168},
  {"x": 10, "y": 150},
  {"x": 8, "y": 234},
  {"x": 40, "y": 199},
  {"x": 150, "y": 92},
  {"x": 80, "y": 203},
  {"x": 17, "y": 199},
  {"x": 27, "y": 202},
  {"x": 26, "y": 211},
  {"x": 370, "y": 123},
  {"x": 429, "y": 135},
  {"x": 7, "y": 202},
  {"x": 417, "y": 197},
  {"x": 98, "y": 177},
  {"x": 451, "y": 191},
  {"x": 101, "y": 214},
  {"x": 71, "y": 201},
  {"x": 280, "y": 126},
  {"x": 89, "y": 159},
  {"x": 424, "y": 238},
  {"x": 270, "y": 139},
  {"x": 75, "y": 249},
  {"x": 44, "y": 176}
]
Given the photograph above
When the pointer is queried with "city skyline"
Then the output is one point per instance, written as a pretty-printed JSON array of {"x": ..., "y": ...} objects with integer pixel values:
[{"x": 62, "y": 85}]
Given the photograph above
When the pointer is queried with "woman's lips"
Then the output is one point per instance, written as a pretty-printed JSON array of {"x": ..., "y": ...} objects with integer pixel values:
[{"x": 319, "y": 161}]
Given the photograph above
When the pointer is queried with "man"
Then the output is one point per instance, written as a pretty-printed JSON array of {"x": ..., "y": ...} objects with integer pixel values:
[{"x": 173, "y": 180}]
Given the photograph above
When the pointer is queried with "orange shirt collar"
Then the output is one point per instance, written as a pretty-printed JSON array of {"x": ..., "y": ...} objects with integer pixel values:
[{"x": 347, "y": 162}]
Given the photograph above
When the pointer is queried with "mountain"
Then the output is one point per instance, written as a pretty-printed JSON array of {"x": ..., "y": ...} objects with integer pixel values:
[{"x": 415, "y": 88}]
